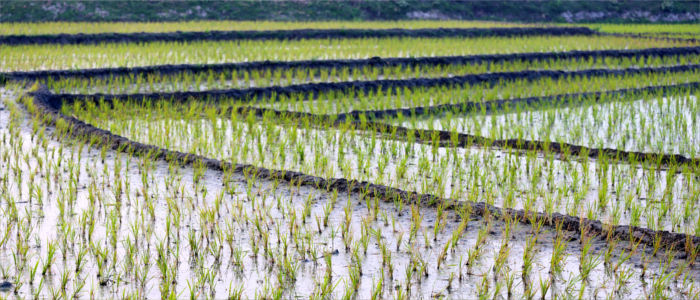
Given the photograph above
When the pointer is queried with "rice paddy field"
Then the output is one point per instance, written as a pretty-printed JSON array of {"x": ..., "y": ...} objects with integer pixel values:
[{"x": 353, "y": 160}]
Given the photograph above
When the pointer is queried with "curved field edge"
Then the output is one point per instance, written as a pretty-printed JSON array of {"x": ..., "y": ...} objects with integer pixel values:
[
  {"x": 314, "y": 89},
  {"x": 43, "y": 104},
  {"x": 59, "y": 27},
  {"x": 463, "y": 140},
  {"x": 491, "y": 106},
  {"x": 348, "y": 63},
  {"x": 294, "y": 34},
  {"x": 657, "y": 37},
  {"x": 370, "y": 120}
]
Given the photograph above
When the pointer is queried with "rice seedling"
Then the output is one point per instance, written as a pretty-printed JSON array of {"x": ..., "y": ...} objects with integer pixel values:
[
  {"x": 544, "y": 170},
  {"x": 29, "y": 57},
  {"x": 235, "y": 79},
  {"x": 277, "y": 204}
]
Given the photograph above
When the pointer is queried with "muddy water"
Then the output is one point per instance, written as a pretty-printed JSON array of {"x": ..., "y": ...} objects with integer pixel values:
[{"x": 78, "y": 181}]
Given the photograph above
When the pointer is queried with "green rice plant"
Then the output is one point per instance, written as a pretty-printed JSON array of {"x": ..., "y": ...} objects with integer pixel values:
[
  {"x": 197, "y": 211},
  {"x": 483, "y": 288},
  {"x": 587, "y": 260},
  {"x": 228, "y": 78},
  {"x": 48, "y": 261},
  {"x": 528, "y": 257},
  {"x": 544, "y": 287},
  {"x": 378, "y": 288},
  {"x": 113, "y": 55},
  {"x": 650, "y": 29}
]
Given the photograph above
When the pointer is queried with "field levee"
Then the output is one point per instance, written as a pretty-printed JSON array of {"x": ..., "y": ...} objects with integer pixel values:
[
  {"x": 47, "y": 106},
  {"x": 296, "y": 34},
  {"x": 349, "y": 63}
]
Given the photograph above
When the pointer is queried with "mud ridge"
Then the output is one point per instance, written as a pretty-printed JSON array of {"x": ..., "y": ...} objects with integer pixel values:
[
  {"x": 315, "y": 89},
  {"x": 371, "y": 123},
  {"x": 563, "y": 149},
  {"x": 45, "y": 105},
  {"x": 347, "y": 63},
  {"x": 467, "y": 140},
  {"x": 470, "y": 106},
  {"x": 654, "y": 37},
  {"x": 297, "y": 34}
]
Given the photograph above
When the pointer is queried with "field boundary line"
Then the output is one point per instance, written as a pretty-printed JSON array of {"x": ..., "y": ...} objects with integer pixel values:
[
  {"x": 294, "y": 34},
  {"x": 44, "y": 104},
  {"x": 347, "y": 63},
  {"x": 315, "y": 89},
  {"x": 489, "y": 106},
  {"x": 652, "y": 37},
  {"x": 372, "y": 122}
]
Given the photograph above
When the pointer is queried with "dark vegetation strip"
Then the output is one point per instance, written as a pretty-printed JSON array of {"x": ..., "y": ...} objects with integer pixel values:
[
  {"x": 369, "y": 120},
  {"x": 347, "y": 63},
  {"x": 492, "y": 106},
  {"x": 655, "y": 36},
  {"x": 44, "y": 105},
  {"x": 143, "y": 37},
  {"x": 315, "y": 89},
  {"x": 566, "y": 150}
]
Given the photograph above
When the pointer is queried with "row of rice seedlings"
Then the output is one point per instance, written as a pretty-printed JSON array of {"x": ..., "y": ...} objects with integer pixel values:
[
  {"x": 238, "y": 79},
  {"x": 651, "y": 124},
  {"x": 47, "y": 57},
  {"x": 21, "y": 28},
  {"x": 618, "y": 191},
  {"x": 333, "y": 102},
  {"x": 688, "y": 30},
  {"x": 83, "y": 221}
]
